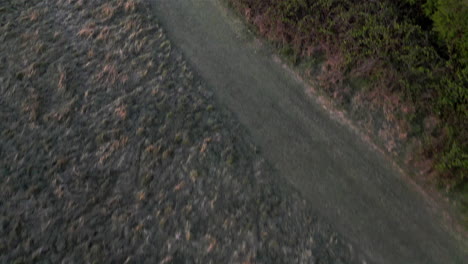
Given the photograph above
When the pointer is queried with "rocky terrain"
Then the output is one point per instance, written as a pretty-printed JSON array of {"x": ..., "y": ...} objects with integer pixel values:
[{"x": 113, "y": 151}]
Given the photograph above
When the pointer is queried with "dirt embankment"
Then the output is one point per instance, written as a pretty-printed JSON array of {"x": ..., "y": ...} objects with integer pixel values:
[{"x": 112, "y": 151}]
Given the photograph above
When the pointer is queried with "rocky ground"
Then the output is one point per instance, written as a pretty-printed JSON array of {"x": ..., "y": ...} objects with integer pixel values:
[{"x": 113, "y": 151}]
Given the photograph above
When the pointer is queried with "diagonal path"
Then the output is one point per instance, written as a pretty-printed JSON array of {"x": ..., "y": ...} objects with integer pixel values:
[{"x": 345, "y": 181}]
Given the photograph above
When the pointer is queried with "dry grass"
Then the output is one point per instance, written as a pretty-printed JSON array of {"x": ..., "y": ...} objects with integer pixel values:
[
  {"x": 331, "y": 76},
  {"x": 110, "y": 148},
  {"x": 88, "y": 30},
  {"x": 109, "y": 74},
  {"x": 62, "y": 83},
  {"x": 108, "y": 11},
  {"x": 121, "y": 112},
  {"x": 130, "y": 6},
  {"x": 33, "y": 16},
  {"x": 103, "y": 33},
  {"x": 31, "y": 105}
]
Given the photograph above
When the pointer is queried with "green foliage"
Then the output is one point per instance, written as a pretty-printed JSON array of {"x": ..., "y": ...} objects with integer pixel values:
[
  {"x": 454, "y": 158},
  {"x": 454, "y": 96},
  {"x": 451, "y": 22},
  {"x": 293, "y": 10}
]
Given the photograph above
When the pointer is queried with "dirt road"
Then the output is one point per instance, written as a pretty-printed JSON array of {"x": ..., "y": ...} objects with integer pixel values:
[{"x": 348, "y": 183}]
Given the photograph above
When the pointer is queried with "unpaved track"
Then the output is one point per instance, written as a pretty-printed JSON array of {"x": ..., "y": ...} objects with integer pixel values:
[{"x": 346, "y": 182}]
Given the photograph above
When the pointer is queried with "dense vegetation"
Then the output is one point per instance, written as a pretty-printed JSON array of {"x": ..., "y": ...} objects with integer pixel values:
[{"x": 407, "y": 59}]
